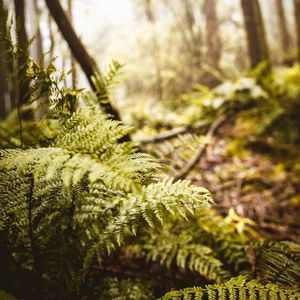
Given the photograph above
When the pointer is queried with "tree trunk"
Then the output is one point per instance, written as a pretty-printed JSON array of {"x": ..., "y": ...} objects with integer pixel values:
[
  {"x": 155, "y": 49},
  {"x": 256, "y": 36},
  {"x": 212, "y": 33},
  {"x": 51, "y": 37},
  {"x": 23, "y": 84},
  {"x": 86, "y": 62},
  {"x": 3, "y": 66},
  {"x": 285, "y": 39},
  {"x": 297, "y": 19},
  {"x": 38, "y": 36},
  {"x": 73, "y": 63},
  {"x": 9, "y": 65},
  {"x": 196, "y": 38}
]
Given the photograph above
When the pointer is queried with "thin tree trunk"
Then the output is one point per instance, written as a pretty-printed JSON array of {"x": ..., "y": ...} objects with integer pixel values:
[
  {"x": 38, "y": 35},
  {"x": 86, "y": 62},
  {"x": 73, "y": 63},
  {"x": 23, "y": 45},
  {"x": 212, "y": 33},
  {"x": 256, "y": 36},
  {"x": 195, "y": 42},
  {"x": 155, "y": 49},
  {"x": 3, "y": 67},
  {"x": 22, "y": 40},
  {"x": 297, "y": 19},
  {"x": 285, "y": 39},
  {"x": 51, "y": 37}
]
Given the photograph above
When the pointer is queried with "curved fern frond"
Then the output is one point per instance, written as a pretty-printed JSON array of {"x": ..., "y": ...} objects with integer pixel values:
[
  {"x": 103, "y": 82},
  {"x": 170, "y": 248},
  {"x": 276, "y": 262},
  {"x": 90, "y": 133},
  {"x": 150, "y": 207},
  {"x": 175, "y": 153},
  {"x": 207, "y": 244},
  {"x": 239, "y": 288},
  {"x": 113, "y": 288}
]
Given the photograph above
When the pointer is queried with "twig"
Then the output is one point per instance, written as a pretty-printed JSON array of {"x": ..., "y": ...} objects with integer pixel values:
[
  {"x": 195, "y": 159},
  {"x": 172, "y": 133},
  {"x": 166, "y": 135}
]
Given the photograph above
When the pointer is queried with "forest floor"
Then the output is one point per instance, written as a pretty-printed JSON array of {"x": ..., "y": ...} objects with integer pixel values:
[{"x": 255, "y": 188}]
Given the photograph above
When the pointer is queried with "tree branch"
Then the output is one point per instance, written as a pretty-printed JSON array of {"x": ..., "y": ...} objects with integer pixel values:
[
  {"x": 195, "y": 159},
  {"x": 166, "y": 135},
  {"x": 80, "y": 53}
]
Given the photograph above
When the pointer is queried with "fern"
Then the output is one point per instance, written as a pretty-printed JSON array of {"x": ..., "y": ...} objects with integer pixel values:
[
  {"x": 88, "y": 193},
  {"x": 103, "y": 82},
  {"x": 206, "y": 245},
  {"x": 170, "y": 247},
  {"x": 81, "y": 132},
  {"x": 121, "y": 289},
  {"x": 76, "y": 191},
  {"x": 277, "y": 262},
  {"x": 74, "y": 194},
  {"x": 175, "y": 153},
  {"x": 240, "y": 288},
  {"x": 150, "y": 207}
]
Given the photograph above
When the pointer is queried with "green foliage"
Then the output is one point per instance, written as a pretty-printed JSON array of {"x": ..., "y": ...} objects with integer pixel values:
[
  {"x": 77, "y": 193},
  {"x": 103, "y": 83},
  {"x": 207, "y": 244},
  {"x": 45, "y": 89},
  {"x": 277, "y": 262},
  {"x": 121, "y": 289},
  {"x": 77, "y": 202},
  {"x": 173, "y": 154},
  {"x": 264, "y": 111},
  {"x": 240, "y": 288},
  {"x": 6, "y": 296}
]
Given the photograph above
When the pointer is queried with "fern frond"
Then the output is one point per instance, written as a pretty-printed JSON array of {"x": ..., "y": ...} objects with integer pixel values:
[
  {"x": 179, "y": 248},
  {"x": 276, "y": 262},
  {"x": 121, "y": 289},
  {"x": 89, "y": 133},
  {"x": 150, "y": 207},
  {"x": 207, "y": 244},
  {"x": 224, "y": 239},
  {"x": 175, "y": 153},
  {"x": 239, "y": 288},
  {"x": 103, "y": 82}
]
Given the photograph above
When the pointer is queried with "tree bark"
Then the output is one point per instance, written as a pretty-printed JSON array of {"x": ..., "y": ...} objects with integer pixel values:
[
  {"x": 297, "y": 20},
  {"x": 38, "y": 36},
  {"x": 86, "y": 62},
  {"x": 73, "y": 63},
  {"x": 195, "y": 36},
  {"x": 23, "y": 45},
  {"x": 3, "y": 66},
  {"x": 23, "y": 84},
  {"x": 212, "y": 33},
  {"x": 51, "y": 37},
  {"x": 155, "y": 49},
  {"x": 256, "y": 36},
  {"x": 285, "y": 39}
]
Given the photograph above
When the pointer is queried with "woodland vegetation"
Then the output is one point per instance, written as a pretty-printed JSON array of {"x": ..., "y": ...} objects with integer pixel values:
[{"x": 186, "y": 188}]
